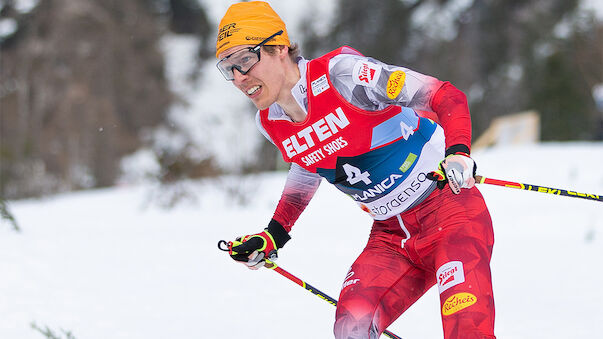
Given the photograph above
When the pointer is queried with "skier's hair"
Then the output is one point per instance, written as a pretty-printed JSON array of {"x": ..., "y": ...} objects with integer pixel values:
[{"x": 293, "y": 50}]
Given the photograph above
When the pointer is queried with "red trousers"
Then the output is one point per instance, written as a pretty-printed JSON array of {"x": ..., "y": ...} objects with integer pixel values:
[{"x": 446, "y": 240}]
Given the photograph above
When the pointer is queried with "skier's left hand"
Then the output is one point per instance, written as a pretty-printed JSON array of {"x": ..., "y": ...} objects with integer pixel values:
[{"x": 458, "y": 170}]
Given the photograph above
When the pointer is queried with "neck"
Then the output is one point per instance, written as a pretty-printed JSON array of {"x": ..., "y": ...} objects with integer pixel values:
[{"x": 286, "y": 99}]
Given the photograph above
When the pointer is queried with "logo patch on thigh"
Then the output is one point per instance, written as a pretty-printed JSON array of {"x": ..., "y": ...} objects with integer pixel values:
[
  {"x": 450, "y": 274},
  {"x": 458, "y": 302},
  {"x": 349, "y": 281}
]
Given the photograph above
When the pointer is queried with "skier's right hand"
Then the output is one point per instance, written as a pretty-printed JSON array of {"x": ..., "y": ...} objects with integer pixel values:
[{"x": 253, "y": 250}]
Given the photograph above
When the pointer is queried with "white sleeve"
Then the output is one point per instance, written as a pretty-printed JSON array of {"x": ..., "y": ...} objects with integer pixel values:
[{"x": 375, "y": 92}]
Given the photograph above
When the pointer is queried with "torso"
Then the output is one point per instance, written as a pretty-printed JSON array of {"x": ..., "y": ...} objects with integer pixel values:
[{"x": 379, "y": 158}]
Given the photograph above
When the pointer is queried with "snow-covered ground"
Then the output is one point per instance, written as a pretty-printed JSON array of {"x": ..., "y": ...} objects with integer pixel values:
[{"x": 113, "y": 264}]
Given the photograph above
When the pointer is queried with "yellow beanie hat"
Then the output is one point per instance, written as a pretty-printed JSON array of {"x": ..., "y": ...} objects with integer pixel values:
[{"x": 249, "y": 23}]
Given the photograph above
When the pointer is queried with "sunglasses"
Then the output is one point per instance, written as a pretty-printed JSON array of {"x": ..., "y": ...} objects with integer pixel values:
[{"x": 242, "y": 60}]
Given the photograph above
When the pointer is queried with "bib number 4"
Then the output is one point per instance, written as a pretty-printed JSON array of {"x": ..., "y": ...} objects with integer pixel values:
[
  {"x": 406, "y": 130},
  {"x": 355, "y": 175}
]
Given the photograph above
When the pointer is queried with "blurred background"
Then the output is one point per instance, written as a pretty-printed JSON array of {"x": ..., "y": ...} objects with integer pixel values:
[
  {"x": 125, "y": 156},
  {"x": 97, "y": 93}
]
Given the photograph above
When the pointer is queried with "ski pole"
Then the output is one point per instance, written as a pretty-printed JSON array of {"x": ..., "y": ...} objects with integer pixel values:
[
  {"x": 273, "y": 266},
  {"x": 543, "y": 189}
]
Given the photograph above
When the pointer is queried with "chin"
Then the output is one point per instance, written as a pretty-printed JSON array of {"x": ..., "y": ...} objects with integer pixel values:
[{"x": 260, "y": 106}]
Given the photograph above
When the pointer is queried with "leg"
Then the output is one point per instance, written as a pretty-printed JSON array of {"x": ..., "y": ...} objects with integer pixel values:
[
  {"x": 460, "y": 252},
  {"x": 379, "y": 287},
  {"x": 467, "y": 308}
]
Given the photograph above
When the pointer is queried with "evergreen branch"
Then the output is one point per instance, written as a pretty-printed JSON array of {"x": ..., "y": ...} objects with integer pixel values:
[
  {"x": 49, "y": 334},
  {"x": 6, "y": 215}
]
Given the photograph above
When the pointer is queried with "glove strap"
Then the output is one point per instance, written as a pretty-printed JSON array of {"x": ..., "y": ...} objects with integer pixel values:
[{"x": 278, "y": 232}]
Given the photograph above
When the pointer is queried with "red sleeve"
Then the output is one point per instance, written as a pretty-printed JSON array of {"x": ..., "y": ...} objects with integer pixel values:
[
  {"x": 289, "y": 208},
  {"x": 299, "y": 190},
  {"x": 450, "y": 105}
]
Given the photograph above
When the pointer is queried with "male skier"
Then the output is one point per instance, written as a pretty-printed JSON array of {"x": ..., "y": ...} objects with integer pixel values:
[{"x": 396, "y": 141}]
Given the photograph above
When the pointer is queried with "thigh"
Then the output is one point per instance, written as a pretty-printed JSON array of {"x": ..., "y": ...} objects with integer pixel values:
[
  {"x": 459, "y": 254},
  {"x": 379, "y": 287},
  {"x": 465, "y": 285}
]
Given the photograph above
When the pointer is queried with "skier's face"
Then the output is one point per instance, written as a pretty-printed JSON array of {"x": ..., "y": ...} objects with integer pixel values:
[{"x": 264, "y": 81}]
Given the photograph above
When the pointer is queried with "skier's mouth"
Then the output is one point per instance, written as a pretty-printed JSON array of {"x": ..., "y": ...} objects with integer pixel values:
[{"x": 253, "y": 90}]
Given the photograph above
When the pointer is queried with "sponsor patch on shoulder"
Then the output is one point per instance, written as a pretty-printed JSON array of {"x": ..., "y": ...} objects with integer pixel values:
[
  {"x": 458, "y": 302},
  {"x": 395, "y": 83},
  {"x": 450, "y": 274},
  {"x": 320, "y": 85},
  {"x": 366, "y": 73}
]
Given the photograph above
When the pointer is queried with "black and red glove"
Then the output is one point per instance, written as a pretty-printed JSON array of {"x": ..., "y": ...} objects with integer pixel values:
[{"x": 254, "y": 249}]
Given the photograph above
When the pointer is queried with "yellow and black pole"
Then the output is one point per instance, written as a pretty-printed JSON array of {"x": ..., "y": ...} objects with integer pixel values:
[
  {"x": 226, "y": 246},
  {"x": 542, "y": 189},
  {"x": 271, "y": 265}
]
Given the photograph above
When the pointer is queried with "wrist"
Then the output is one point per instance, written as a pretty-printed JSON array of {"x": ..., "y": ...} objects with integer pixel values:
[
  {"x": 458, "y": 148},
  {"x": 278, "y": 232}
]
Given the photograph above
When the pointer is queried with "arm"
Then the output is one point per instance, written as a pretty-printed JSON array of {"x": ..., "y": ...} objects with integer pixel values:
[
  {"x": 418, "y": 91},
  {"x": 252, "y": 250},
  {"x": 450, "y": 105},
  {"x": 299, "y": 190},
  {"x": 441, "y": 101}
]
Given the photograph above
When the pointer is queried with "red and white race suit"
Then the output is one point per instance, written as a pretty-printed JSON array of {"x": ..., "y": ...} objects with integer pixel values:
[{"x": 374, "y": 131}]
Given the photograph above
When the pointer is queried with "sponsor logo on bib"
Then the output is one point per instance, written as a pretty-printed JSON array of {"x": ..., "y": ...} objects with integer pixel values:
[{"x": 320, "y": 85}]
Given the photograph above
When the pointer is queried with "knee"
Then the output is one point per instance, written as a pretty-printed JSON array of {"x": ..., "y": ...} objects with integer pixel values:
[
  {"x": 346, "y": 328},
  {"x": 350, "y": 325}
]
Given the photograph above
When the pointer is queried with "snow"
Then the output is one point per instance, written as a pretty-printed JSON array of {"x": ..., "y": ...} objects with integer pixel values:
[
  {"x": 596, "y": 6},
  {"x": 8, "y": 27},
  {"x": 25, "y": 6},
  {"x": 597, "y": 92},
  {"x": 113, "y": 263}
]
